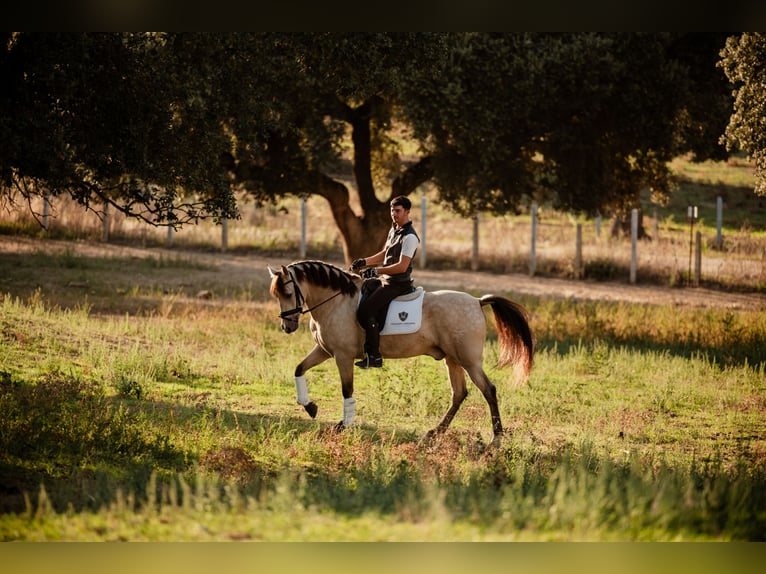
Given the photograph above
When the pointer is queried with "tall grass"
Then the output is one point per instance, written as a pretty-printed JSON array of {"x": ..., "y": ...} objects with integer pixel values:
[
  {"x": 132, "y": 409},
  {"x": 640, "y": 422}
]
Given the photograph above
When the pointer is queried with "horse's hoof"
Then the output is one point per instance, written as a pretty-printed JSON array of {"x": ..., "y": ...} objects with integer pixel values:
[
  {"x": 311, "y": 409},
  {"x": 428, "y": 437},
  {"x": 340, "y": 427}
]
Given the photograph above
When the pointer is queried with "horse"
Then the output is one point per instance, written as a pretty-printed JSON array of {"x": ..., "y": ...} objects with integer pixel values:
[{"x": 453, "y": 328}]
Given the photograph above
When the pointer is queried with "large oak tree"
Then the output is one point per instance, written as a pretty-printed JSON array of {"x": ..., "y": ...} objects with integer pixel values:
[{"x": 171, "y": 127}]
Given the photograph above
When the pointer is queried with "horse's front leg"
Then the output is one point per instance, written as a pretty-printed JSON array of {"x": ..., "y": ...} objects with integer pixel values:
[
  {"x": 346, "y": 371},
  {"x": 316, "y": 356}
]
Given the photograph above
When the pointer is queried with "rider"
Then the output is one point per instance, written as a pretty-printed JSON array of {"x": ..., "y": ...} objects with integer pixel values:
[{"x": 395, "y": 260}]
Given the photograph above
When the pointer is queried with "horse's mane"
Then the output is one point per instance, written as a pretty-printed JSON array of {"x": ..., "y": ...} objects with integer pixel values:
[{"x": 325, "y": 275}]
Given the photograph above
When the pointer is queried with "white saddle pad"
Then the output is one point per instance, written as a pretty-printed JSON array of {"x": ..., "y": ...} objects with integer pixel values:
[{"x": 405, "y": 314}]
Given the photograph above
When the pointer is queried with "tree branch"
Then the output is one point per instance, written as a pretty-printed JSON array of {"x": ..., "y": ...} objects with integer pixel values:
[{"x": 415, "y": 175}]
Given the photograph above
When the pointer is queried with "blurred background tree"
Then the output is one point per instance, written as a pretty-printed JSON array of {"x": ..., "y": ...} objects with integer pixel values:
[{"x": 173, "y": 127}]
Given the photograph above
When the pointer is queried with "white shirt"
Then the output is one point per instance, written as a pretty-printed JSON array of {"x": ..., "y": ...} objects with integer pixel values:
[{"x": 409, "y": 245}]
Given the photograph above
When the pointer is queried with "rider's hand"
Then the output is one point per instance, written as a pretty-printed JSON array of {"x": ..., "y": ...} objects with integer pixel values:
[{"x": 358, "y": 264}]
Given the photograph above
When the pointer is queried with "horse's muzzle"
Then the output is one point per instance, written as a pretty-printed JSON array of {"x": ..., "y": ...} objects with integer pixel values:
[{"x": 289, "y": 325}]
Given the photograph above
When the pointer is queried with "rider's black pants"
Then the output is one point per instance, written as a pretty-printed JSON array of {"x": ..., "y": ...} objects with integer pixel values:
[{"x": 370, "y": 312}]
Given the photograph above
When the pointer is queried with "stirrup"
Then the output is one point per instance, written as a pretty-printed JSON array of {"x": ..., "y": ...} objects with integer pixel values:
[{"x": 370, "y": 362}]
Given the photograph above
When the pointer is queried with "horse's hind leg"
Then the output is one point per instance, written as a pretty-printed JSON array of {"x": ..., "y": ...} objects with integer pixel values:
[
  {"x": 459, "y": 392},
  {"x": 481, "y": 380},
  {"x": 316, "y": 355}
]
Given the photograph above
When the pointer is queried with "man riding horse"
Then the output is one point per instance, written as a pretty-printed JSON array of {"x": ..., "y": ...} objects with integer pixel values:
[{"x": 395, "y": 268}]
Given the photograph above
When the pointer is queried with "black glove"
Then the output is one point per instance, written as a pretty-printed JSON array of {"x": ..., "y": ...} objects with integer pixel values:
[{"x": 358, "y": 264}]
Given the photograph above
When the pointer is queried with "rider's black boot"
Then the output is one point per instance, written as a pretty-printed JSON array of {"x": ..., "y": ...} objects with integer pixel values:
[{"x": 372, "y": 358}]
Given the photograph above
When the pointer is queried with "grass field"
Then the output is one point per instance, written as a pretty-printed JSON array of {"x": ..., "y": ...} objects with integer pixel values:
[
  {"x": 134, "y": 406},
  {"x": 162, "y": 416}
]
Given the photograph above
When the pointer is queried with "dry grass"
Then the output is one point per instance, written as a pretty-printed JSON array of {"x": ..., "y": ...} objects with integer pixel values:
[
  {"x": 629, "y": 407},
  {"x": 503, "y": 242}
]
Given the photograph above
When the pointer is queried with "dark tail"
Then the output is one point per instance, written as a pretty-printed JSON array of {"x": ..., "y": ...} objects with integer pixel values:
[{"x": 515, "y": 337}]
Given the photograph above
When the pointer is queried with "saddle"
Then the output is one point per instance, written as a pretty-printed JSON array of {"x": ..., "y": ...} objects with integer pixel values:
[{"x": 402, "y": 315}]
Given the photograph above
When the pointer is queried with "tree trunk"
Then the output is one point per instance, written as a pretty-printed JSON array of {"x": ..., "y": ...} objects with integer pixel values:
[
  {"x": 621, "y": 226},
  {"x": 360, "y": 236},
  {"x": 365, "y": 234}
]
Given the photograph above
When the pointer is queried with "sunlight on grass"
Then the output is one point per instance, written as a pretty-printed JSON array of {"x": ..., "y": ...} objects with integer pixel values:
[
  {"x": 183, "y": 425},
  {"x": 150, "y": 396}
]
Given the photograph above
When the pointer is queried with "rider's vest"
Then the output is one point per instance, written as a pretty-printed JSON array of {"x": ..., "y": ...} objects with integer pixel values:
[{"x": 394, "y": 249}]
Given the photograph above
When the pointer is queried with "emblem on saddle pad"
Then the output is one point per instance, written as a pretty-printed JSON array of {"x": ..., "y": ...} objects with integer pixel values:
[{"x": 404, "y": 314}]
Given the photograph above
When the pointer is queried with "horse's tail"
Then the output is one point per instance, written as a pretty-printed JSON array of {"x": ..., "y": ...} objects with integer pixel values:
[{"x": 515, "y": 337}]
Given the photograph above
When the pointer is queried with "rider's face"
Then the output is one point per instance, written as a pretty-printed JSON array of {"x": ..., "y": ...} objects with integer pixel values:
[{"x": 399, "y": 215}]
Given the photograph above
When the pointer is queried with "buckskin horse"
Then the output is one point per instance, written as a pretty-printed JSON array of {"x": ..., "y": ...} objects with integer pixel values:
[{"x": 453, "y": 327}]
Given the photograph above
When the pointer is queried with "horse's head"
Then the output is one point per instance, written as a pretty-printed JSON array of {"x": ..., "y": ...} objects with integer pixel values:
[
  {"x": 288, "y": 293},
  {"x": 322, "y": 284}
]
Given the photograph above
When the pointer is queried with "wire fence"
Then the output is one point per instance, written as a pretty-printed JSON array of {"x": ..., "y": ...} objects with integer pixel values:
[{"x": 540, "y": 242}]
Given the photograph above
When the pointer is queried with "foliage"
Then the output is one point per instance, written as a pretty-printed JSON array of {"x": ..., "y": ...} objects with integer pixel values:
[
  {"x": 587, "y": 119},
  {"x": 744, "y": 61},
  {"x": 170, "y": 126},
  {"x": 107, "y": 118}
]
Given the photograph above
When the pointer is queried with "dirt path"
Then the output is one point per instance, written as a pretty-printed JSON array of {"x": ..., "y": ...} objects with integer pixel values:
[
  {"x": 591, "y": 290},
  {"x": 242, "y": 267}
]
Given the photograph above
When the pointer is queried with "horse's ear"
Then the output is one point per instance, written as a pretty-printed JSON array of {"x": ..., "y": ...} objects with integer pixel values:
[
  {"x": 283, "y": 270},
  {"x": 271, "y": 272}
]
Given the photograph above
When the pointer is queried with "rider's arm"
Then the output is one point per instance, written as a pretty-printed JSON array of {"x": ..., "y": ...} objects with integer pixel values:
[
  {"x": 376, "y": 259},
  {"x": 409, "y": 246},
  {"x": 398, "y": 267}
]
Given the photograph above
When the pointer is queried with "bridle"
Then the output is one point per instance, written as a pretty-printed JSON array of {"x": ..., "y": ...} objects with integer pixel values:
[{"x": 299, "y": 301}]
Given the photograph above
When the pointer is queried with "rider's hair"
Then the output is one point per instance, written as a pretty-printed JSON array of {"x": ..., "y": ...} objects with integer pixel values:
[{"x": 402, "y": 200}]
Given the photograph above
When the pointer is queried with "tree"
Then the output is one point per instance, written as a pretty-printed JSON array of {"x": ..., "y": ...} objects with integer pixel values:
[
  {"x": 324, "y": 88},
  {"x": 101, "y": 118},
  {"x": 743, "y": 59},
  {"x": 173, "y": 126},
  {"x": 584, "y": 120}
]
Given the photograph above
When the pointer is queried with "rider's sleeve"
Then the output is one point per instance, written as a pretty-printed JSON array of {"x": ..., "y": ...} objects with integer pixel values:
[{"x": 409, "y": 245}]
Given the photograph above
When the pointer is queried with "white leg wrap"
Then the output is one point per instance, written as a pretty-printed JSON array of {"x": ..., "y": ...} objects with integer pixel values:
[
  {"x": 349, "y": 411},
  {"x": 302, "y": 390}
]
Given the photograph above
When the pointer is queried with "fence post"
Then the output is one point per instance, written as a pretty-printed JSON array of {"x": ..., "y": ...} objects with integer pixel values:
[
  {"x": 691, "y": 213},
  {"x": 598, "y": 225},
  {"x": 533, "y": 246},
  {"x": 224, "y": 234},
  {"x": 578, "y": 271},
  {"x": 697, "y": 259},
  {"x": 303, "y": 228},
  {"x": 423, "y": 227},
  {"x": 656, "y": 225},
  {"x": 170, "y": 235},
  {"x": 633, "y": 243},
  {"x": 719, "y": 222},
  {"x": 475, "y": 250}
]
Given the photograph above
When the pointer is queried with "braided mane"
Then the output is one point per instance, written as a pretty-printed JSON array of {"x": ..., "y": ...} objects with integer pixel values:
[{"x": 324, "y": 274}]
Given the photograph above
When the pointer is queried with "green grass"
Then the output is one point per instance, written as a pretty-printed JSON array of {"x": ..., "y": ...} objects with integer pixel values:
[
  {"x": 131, "y": 409},
  {"x": 150, "y": 416},
  {"x": 701, "y": 183}
]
